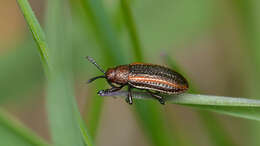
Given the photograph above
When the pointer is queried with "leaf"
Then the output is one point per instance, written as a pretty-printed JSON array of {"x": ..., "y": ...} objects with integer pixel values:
[{"x": 238, "y": 107}]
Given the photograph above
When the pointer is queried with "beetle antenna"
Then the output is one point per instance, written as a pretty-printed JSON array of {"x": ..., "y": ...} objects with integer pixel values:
[
  {"x": 94, "y": 78},
  {"x": 90, "y": 59}
]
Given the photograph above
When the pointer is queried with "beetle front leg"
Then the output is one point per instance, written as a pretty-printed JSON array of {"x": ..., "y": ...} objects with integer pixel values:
[
  {"x": 106, "y": 91},
  {"x": 129, "y": 98}
]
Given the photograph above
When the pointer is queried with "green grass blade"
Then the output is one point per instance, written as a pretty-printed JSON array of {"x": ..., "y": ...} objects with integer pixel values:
[
  {"x": 153, "y": 121},
  {"x": 66, "y": 128},
  {"x": 129, "y": 21},
  {"x": 150, "y": 114},
  {"x": 238, "y": 107},
  {"x": 215, "y": 130},
  {"x": 14, "y": 133},
  {"x": 94, "y": 111},
  {"x": 248, "y": 14},
  {"x": 84, "y": 132},
  {"x": 61, "y": 105},
  {"x": 105, "y": 32},
  {"x": 36, "y": 30},
  {"x": 107, "y": 40}
]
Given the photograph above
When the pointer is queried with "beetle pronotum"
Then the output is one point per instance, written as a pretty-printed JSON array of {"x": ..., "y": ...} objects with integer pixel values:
[{"x": 149, "y": 77}]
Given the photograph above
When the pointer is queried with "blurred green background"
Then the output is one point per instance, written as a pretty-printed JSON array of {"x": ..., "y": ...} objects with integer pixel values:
[{"x": 214, "y": 42}]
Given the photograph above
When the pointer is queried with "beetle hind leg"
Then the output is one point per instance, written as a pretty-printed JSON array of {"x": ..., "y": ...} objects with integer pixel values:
[{"x": 157, "y": 96}]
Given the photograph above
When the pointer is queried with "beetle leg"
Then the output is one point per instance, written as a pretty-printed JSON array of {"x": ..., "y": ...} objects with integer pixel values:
[
  {"x": 158, "y": 97},
  {"x": 113, "y": 89},
  {"x": 129, "y": 98},
  {"x": 112, "y": 85}
]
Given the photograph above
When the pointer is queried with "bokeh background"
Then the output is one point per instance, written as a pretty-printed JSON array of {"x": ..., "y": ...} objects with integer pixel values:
[{"x": 215, "y": 43}]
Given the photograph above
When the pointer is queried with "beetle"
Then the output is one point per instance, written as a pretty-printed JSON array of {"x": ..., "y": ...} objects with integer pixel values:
[{"x": 155, "y": 79}]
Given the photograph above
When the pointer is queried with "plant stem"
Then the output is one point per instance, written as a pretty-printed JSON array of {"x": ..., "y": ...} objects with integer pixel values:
[{"x": 234, "y": 106}]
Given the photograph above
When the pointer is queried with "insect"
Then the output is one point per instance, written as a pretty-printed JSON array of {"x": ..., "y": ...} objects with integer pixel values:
[{"x": 155, "y": 79}]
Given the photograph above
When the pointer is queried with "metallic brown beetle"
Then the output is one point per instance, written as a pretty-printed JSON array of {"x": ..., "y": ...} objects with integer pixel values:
[{"x": 142, "y": 76}]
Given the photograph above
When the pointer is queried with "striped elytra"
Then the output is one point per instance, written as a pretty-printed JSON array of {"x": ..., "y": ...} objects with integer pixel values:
[
  {"x": 157, "y": 78},
  {"x": 154, "y": 79}
]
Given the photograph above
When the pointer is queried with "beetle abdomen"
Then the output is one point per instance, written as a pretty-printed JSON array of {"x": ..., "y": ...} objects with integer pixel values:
[{"x": 157, "y": 78}]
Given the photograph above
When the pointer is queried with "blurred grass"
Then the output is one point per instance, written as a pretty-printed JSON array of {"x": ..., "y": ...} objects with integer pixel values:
[
  {"x": 21, "y": 75},
  {"x": 215, "y": 130},
  {"x": 62, "y": 110},
  {"x": 178, "y": 22},
  {"x": 249, "y": 23},
  {"x": 94, "y": 108},
  {"x": 61, "y": 105},
  {"x": 106, "y": 38},
  {"x": 169, "y": 24},
  {"x": 249, "y": 18},
  {"x": 131, "y": 27},
  {"x": 150, "y": 114},
  {"x": 13, "y": 133}
]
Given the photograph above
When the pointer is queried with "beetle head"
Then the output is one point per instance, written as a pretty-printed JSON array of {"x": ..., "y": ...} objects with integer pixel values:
[{"x": 118, "y": 75}]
